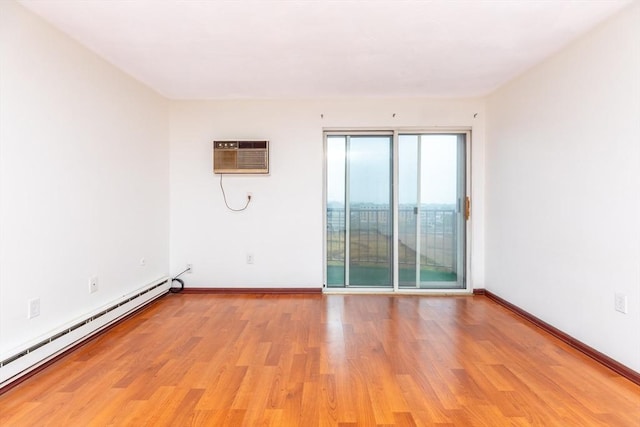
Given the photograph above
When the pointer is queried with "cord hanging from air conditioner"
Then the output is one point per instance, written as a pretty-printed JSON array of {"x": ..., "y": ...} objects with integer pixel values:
[{"x": 224, "y": 196}]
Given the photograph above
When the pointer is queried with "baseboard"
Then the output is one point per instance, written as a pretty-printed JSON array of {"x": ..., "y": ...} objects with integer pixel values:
[
  {"x": 252, "y": 291},
  {"x": 33, "y": 359},
  {"x": 601, "y": 358},
  {"x": 479, "y": 291}
]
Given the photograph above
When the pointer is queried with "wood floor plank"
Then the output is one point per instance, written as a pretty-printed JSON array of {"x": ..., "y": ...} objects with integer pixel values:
[
  {"x": 223, "y": 387},
  {"x": 323, "y": 360}
]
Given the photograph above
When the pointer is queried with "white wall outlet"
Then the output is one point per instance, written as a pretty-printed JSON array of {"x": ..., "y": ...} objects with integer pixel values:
[
  {"x": 189, "y": 268},
  {"x": 143, "y": 262},
  {"x": 620, "y": 303},
  {"x": 249, "y": 258},
  {"x": 93, "y": 284},
  {"x": 249, "y": 195},
  {"x": 34, "y": 308}
]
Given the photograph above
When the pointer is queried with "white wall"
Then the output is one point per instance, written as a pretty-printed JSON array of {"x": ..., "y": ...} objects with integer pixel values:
[
  {"x": 84, "y": 172},
  {"x": 563, "y": 189},
  {"x": 282, "y": 228}
]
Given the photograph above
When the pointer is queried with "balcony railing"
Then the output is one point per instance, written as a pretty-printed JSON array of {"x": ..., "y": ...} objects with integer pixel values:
[{"x": 371, "y": 241}]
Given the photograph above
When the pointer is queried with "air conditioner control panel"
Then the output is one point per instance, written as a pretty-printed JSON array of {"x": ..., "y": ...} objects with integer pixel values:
[{"x": 243, "y": 145}]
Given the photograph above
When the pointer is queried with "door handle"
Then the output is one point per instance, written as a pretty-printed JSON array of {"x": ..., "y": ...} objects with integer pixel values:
[{"x": 467, "y": 208}]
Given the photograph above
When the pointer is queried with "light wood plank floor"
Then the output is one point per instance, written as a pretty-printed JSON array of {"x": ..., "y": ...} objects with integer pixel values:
[{"x": 332, "y": 360}]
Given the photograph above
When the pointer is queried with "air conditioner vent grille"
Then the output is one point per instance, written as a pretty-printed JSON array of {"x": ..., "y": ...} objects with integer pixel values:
[{"x": 252, "y": 159}]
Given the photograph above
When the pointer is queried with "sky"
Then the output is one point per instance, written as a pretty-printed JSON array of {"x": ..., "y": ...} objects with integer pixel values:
[{"x": 370, "y": 166}]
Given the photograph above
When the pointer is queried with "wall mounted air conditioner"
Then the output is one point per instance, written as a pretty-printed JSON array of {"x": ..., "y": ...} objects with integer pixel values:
[{"x": 241, "y": 157}]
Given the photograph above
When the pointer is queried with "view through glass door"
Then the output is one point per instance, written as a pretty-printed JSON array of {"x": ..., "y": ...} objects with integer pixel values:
[{"x": 427, "y": 250}]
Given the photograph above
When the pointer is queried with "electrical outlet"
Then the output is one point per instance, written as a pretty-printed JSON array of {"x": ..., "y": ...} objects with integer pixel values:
[
  {"x": 249, "y": 258},
  {"x": 189, "y": 268},
  {"x": 249, "y": 195},
  {"x": 93, "y": 284},
  {"x": 143, "y": 262},
  {"x": 620, "y": 303},
  {"x": 34, "y": 308}
]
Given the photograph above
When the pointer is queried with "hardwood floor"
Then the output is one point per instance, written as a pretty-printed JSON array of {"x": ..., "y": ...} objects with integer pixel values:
[{"x": 327, "y": 360}]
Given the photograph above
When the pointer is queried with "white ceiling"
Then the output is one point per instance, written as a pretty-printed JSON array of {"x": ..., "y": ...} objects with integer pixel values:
[{"x": 199, "y": 49}]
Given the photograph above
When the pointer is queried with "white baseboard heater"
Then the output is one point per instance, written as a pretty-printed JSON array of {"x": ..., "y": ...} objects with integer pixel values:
[{"x": 25, "y": 360}]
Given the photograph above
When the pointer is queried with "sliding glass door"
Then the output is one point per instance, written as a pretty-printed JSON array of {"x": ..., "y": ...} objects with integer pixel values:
[
  {"x": 359, "y": 210},
  {"x": 395, "y": 210},
  {"x": 431, "y": 188}
]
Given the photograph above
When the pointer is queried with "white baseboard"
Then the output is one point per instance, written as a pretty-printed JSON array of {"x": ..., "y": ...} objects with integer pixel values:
[{"x": 24, "y": 360}]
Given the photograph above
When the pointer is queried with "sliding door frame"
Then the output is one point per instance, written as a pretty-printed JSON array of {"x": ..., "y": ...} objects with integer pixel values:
[{"x": 466, "y": 222}]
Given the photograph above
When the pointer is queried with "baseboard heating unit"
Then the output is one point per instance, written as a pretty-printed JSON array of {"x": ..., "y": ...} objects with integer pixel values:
[{"x": 24, "y": 360}]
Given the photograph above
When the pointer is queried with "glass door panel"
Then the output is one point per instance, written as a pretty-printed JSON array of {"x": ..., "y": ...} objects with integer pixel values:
[
  {"x": 370, "y": 204},
  {"x": 336, "y": 224},
  {"x": 408, "y": 268},
  {"x": 431, "y": 193},
  {"x": 359, "y": 216}
]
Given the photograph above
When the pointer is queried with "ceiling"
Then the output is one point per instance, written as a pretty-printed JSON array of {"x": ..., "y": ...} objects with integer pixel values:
[{"x": 214, "y": 49}]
